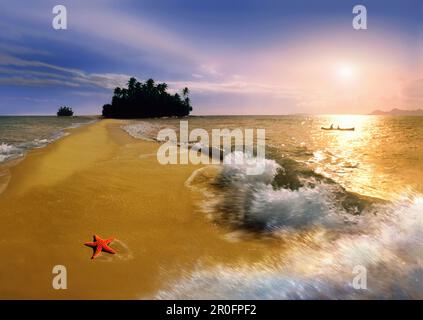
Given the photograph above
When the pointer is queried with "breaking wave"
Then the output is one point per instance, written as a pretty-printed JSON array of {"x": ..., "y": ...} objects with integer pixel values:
[
  {"x": 277, "y": 200},
  {"x": 321, "y": 266},
  {"x": 325, "y": 230}
]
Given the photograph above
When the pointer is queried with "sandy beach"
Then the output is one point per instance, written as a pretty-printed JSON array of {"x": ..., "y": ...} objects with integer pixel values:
[{"x": 99, "y": 180}]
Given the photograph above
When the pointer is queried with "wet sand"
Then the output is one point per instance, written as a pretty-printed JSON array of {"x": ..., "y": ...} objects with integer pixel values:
[{"x": 99, "y": 180}]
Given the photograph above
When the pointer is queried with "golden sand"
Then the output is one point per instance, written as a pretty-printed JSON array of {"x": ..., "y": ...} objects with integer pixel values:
[{"x": 99, "y": 180}]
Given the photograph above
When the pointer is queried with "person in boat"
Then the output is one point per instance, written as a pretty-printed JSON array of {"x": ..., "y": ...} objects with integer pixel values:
[
  {"x": 338, "y": 127},
  {"x": 331, "y": 126}
]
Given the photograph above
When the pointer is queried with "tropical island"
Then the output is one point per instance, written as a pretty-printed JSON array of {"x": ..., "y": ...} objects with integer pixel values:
[
  {"x": 147, "y": 100},
  {"x": 65, "y": 112}
]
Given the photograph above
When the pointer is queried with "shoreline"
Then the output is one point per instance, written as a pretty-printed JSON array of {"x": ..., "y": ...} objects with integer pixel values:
[
  {"x": 8, "y": 164},
  {"x": 14, "y": 159},
  {"x": 99, "y": 180}
]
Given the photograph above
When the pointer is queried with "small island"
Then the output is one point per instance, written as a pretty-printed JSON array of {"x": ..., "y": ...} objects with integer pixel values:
[
  {"x": 147, "y": 100},
  {"x": 65, "y": 112},
  {"x": 398, "y": 112}
]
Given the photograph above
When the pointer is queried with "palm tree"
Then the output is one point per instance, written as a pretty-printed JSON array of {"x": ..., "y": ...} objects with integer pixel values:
[
  {"x": 162, "y": 87},
  {"x": 137, "y": 87},
  {"x": 185, "y": 92},
  {"x": 117, "y": 92},
  {"x": 124, "y": 93},
  {"x": 150, "y": 83},
  {"x": 131, "y": 83}
]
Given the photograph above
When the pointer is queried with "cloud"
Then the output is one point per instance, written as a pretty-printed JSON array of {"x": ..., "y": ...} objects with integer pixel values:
[
  {"x": 110, "y": 30},
  {"x": 31, "y": 73},
  {"x": 210, "y": 70},
  {"x": 10, "y": 60},
  {"x": 72, "y": 77},
  {"x": 22, "y": 81},
  {"x": 236, "y": 87},
  {"x": 56, "y": 76},
  {"x": 19, "y": 49}
]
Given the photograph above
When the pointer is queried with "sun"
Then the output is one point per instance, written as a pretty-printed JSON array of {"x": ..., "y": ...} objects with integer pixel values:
[{"x": 345, "y": 71}]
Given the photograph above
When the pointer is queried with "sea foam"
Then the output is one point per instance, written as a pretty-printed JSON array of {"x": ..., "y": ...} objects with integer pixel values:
[
  {"x": 142, "y": 130},
  {"x": 389, "y": 247},
  {"x": 9, "y": 151}
]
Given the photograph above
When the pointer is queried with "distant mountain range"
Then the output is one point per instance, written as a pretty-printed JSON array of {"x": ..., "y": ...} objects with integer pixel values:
[{"x": 399, "y": 112}]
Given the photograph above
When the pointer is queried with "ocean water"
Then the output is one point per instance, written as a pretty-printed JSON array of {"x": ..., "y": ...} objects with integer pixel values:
[
  {"x": 18, "y": 134},
  {"x": 335, "y": 202},
  {"x": 383, "y": 157}
]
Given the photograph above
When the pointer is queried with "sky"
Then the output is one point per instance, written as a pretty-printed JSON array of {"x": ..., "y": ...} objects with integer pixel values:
[{"x": 236, "y": 56}]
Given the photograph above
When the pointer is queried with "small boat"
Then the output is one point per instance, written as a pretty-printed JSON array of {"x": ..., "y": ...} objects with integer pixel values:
[{"x": 338, "y": 129}]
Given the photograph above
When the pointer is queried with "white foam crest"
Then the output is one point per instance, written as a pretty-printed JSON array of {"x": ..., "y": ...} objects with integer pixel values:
[
  {"x": 284, "y": 208},
  {"x": 7, "y": 148},
  {"x": 237, "y": 164},
  {"x": 258, "y": 282},
  {"x": 142, "y": 130},
  {"x": 8, "y": 151},
  {"x": 75, "y": 125}
]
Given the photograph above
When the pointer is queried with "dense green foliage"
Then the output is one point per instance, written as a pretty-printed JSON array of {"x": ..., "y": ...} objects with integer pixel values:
[
  {"x": 147, "y": 100},
  {"x": 65, "y": 112}
]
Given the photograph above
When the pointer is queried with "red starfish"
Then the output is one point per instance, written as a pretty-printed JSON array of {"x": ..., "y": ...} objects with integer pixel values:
[{"x": 100, "y": 245}]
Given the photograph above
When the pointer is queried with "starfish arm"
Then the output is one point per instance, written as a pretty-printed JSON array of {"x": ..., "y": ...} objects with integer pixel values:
[
  {"x": 91, "y": 244},
  {"x": 97, "y": 252},
  {"x": 109, "y": 240},
  {"x": 108, "y": 249}
]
